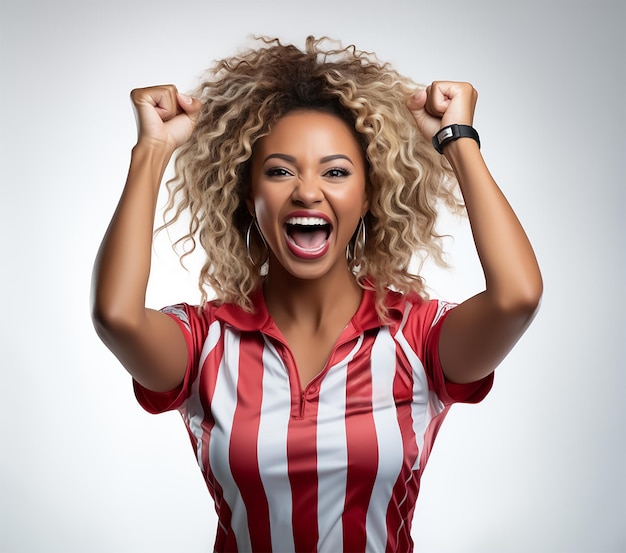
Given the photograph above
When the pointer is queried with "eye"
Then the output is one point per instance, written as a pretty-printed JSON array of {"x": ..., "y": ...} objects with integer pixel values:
[
  {"x": 337, "y": 172},
  {"x": 277, "y": 172}
]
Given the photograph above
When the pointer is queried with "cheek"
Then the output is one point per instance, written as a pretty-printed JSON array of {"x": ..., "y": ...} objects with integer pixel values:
[
  {"x": 266, "y": 210},
  {"x": 263, "y": 219},
  {"x": 353, "y": 200},
  {"x": 257, "y": 202},
  {"x": 263, "y": 208}
]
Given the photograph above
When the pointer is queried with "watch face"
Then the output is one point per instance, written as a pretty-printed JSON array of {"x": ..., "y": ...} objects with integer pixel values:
[
  {"x": 444, "y": 133},
  {"x": 452, "y": 132}
]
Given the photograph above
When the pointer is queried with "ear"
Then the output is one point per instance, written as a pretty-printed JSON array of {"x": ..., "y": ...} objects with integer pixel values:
[
  {"x": 250, "y": 206},
  {"x": 366, "y": 202}
]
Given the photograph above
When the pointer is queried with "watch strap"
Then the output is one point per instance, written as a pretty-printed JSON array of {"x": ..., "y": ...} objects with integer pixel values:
[{"x": 454, "y": 132}]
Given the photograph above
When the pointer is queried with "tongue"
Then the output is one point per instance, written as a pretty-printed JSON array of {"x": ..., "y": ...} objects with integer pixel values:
[{"x": 308, "y": 239}]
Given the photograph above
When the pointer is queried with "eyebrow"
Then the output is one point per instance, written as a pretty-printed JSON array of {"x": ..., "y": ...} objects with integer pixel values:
[{"x": 292, "y": 159}]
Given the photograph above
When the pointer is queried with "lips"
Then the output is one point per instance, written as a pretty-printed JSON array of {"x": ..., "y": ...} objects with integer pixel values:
[{"x": 308, "y": 235}]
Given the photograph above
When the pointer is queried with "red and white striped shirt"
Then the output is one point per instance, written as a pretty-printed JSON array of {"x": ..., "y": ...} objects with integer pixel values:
[{"x": 332, "y": 467}]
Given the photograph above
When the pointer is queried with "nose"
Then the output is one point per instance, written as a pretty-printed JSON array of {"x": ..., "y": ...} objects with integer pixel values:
[{"x": 307, "y": 191}]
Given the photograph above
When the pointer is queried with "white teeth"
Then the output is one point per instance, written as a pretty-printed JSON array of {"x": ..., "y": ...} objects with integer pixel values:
[{"x": 307, "y": 221}]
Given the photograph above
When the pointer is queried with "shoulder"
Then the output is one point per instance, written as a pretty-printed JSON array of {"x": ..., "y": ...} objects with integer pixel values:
[
  {"x": 192, "y": 317},
  {"x": 414, "y": 305},
  {"x": 414, "y": 316}
]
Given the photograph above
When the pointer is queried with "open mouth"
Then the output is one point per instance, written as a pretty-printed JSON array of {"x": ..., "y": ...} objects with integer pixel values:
[{"x": 307, "y": 236}]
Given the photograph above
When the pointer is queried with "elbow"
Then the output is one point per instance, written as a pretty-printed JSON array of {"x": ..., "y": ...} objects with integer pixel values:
[
  {"x": 533, "y": 293},
  {"x": 104, "y": 322},
  {"x": 110, "y": 320},
  {"x": 529, "y": 305},
  {"x": 525, "y": 301},
  {"x": 520, "y": 300}
]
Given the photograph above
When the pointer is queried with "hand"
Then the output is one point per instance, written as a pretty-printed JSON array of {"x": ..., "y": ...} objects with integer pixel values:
[
  {"x": 441, "y": 104},
  {"x": 164, "y": 116}
]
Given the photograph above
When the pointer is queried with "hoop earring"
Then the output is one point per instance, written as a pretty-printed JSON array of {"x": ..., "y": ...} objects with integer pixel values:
[
  {"x": 355, "y": 257},
  {"x": 248, "y": 250}
]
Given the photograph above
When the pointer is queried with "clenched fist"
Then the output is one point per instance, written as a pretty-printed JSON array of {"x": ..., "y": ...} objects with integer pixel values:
[
  {"x": 441, "y": 104},
  {"x": 165, "y": 117}
]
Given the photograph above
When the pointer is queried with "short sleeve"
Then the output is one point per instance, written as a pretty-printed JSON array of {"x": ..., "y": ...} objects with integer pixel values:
[
  {"x": 193, "y": 326},
  {"x": 448, "y": 392}
]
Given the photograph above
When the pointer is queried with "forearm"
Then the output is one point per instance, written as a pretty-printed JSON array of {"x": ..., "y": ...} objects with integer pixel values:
[
  {"x": 122, "y": 265},
  {"x": 479, "y": 333},
  {"x": 512, "y": 275}
]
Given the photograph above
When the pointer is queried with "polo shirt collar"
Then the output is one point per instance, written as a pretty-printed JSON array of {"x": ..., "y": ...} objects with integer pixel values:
[{"x": 364, "y": 319}]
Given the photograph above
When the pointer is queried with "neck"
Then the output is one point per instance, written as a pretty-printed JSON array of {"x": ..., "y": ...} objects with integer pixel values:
[{"x": 314, "y": 303}]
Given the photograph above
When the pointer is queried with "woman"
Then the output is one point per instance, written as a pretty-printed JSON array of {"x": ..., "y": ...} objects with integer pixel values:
[{"x": 311, "y": 391}]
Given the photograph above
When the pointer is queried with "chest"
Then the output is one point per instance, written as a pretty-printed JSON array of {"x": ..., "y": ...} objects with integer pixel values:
[
  {"x": 310, "y": 354},
  {"x": 357, "y": 412},
  {"x": 256, "y": 395},
  {"x": 343, "y": 447}
]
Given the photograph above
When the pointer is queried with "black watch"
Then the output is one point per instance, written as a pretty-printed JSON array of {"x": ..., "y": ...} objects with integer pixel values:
[{"x": 453, "y": 132}]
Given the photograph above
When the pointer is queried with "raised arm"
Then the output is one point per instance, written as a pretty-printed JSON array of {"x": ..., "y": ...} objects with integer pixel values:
[
  {"x": 479, "y": 333},
  {"x": 147, "y": 342}
]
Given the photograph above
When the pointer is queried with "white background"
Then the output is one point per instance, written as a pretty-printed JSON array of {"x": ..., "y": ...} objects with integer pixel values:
[{"x": 537, "y": 467}]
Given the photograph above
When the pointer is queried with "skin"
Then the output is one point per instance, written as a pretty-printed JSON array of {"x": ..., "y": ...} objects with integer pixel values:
[
  {"x": 309, "y": 164},
  {"x": 479, "y": 333},
  {"x": 310, "y": 300}
]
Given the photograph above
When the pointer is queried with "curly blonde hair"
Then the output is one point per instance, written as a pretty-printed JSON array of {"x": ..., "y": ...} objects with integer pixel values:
[{"x": 243, "y": 96}]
